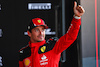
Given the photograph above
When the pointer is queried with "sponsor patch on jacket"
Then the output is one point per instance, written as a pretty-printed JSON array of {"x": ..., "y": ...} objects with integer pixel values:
[
  {"x": 48, "y": 46},
  {"x": 44, "y": 60},
  {"x": 43, "y": 49},
  {"x": 27, "y": 62}
]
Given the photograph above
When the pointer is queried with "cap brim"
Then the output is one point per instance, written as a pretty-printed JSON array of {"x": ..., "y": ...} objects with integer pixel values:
[{"x": 45, "y": 26}]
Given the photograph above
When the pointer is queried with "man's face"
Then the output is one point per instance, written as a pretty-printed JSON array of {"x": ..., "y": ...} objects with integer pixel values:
[{"x": 37, "y": 34}]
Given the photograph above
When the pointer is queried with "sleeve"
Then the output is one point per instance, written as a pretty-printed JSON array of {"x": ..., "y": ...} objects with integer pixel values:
[
  {"x": 24, "y": 53},
  {"x": 65, "y": 41},
  {"x": 21, "y": 64},
  {"x": 20, "y": 60}
]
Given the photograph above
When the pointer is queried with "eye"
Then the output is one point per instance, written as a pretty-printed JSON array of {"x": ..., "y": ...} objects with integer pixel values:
[
  {"x": 43, "y": 29},
  {"x": 36, "y": 30}
]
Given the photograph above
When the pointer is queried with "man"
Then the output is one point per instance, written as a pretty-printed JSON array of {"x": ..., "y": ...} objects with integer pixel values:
[{"x": 41, "y": 53}]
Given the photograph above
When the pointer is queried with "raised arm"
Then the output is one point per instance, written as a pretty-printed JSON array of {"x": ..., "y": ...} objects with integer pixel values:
[{"x": 65, "y": 41}]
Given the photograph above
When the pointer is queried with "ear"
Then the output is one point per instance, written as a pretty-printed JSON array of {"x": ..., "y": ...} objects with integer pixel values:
[{"x": 29, "y": 33}]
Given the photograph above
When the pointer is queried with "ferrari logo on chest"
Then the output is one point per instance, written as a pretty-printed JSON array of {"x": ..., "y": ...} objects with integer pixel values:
[{"x": 43, "y": 49}]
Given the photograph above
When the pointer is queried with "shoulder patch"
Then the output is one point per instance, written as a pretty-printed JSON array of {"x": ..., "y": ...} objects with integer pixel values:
[
  {"x": 24, "y": 53},
  {"x": 48, "y": 46}
]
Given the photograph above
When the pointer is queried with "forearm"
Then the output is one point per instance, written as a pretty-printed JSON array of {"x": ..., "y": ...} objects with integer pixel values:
[
  {"x": 65, "y": 41},
  {"x": 74, "y": 28}
]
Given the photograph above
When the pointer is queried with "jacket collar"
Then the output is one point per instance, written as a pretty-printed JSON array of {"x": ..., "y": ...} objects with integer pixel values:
[{"x": 36, "y": 44}]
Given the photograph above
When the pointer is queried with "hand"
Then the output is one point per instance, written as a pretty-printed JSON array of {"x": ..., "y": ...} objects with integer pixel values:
[{"x": 78, "y": 10}]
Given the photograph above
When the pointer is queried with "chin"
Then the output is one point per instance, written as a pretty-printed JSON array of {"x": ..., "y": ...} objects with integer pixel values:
[{"x": 40, "y": 40}]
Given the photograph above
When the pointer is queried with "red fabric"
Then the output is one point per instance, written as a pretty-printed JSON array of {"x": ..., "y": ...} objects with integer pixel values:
[
  {"x": 39, "y": 22},
  {"x": 52, "y": 57}
]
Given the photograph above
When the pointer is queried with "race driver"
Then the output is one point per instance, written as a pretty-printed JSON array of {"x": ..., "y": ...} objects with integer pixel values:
[{"x": 42, "y": 53}]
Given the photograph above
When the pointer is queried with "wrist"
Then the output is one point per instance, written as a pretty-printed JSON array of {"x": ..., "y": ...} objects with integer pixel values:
[{"x": 76, "y": 17}]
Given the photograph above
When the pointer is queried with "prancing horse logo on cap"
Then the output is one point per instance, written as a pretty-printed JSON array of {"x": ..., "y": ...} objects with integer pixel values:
[{"x": 39, "y": 21}]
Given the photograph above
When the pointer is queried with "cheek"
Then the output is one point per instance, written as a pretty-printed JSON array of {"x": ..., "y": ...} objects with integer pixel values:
[
  {"x": 34, "y": 34},
  {"x": 44, "y": 33}
]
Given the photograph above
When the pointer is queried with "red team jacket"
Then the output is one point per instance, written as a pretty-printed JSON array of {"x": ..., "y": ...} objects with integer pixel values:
[{"x": 47, "y": 54}]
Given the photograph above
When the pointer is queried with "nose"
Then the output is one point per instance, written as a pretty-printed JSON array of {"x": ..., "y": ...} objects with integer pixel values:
[{"x": 41, "y": 32}]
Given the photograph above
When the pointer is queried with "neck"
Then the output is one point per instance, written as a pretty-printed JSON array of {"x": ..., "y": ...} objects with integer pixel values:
[
  {"x": 35, "y": 41},
  {"x": 31, "y": 44}
]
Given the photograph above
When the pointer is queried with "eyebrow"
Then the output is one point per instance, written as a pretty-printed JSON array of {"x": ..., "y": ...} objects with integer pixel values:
[{"x": 38, "y": 28}]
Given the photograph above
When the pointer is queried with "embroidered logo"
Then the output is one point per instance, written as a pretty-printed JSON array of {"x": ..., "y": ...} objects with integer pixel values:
[
  {"x": 43, "y": 60},
  {"x": 21, "y": 51},
  {"x": 27, "y": 62},
  {"x": 43, "y": 49},
  {"x": 39, "y": 21}
]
